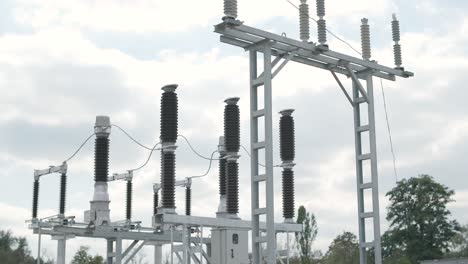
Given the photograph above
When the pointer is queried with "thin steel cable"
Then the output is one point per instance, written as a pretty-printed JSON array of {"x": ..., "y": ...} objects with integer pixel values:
[
  {"x": 389, "y": 131},
  {"x": 149, "y": 157},
  {"x": 209, "y": 167},
  {"x": 130, "y": 137},
  {"x": 329, "y": 31},
  {"x": 250, "y": 156},
  {"x": 81, "y": 146},
  {"x": 194, "y": 151}
]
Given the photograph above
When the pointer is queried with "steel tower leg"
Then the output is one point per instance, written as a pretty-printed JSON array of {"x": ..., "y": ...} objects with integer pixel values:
[
  {"x": 360, "y": 129},
  {"x": 118, "y": 251},
  {"x": 157, "y": 254},
  {"x": 254, "y": 158},
  {"x": 110, "y": 251},
  {"x": 61, "y": 249},
  {"x": 264, "y": 79}
]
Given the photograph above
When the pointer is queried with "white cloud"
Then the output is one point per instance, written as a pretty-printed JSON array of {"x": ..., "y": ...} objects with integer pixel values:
[
  {"x": 145, "y": 16},
  {"x": 206, "y": 78}
]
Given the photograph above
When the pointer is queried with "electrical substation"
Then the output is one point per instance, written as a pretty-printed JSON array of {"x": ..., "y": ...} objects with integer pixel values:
[{"x": 229, "y": 237}]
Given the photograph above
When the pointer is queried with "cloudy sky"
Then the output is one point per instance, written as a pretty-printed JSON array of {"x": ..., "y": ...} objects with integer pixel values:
[{"x": 64, "y": 62}]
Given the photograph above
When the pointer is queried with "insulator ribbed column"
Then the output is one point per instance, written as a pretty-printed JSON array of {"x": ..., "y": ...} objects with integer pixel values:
[
  {"x": 321, "y": 22},
  {"x": 129, "y": 197},
  {"x": 287, "y": 142},
  {"x": 287, "y": 151},
  {"x": 396, "y": 38},
  {"x": 155, "y": 203},
  {"x": 101, "y": 159},
  {"x": 232, "y": 146},
  {"x": 304, "y": 27},
  {"x": 365, "y": 39},
  {"x": 169, "y": 114},
  {"x": 99, "y": 211},
  {"x": 63, "y": 193},
  {"x": 35, "y": 203},
  {"x": 169, "y": 130},
  {"x": 222, "y": 175},
  {"x": 188, "y": 200},
  {"x": 168, "y": 180},
  {"x": 230, "y": 9},
  {"x": 232, "y": 125},
  {"x": 232, "y": 190},
  {"x": 288, "y": 193}
]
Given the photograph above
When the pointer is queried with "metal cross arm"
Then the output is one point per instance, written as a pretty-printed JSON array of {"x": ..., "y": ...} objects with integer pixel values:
[
  {"x": 306, "y": 53},
  {"x": 121, "y": 176},
  {"x": 52, "y": 169},
  {"x": 222, "y": 223}
]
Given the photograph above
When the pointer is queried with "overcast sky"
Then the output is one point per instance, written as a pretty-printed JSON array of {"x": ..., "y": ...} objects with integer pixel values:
[{"x": 64, "y": 62}]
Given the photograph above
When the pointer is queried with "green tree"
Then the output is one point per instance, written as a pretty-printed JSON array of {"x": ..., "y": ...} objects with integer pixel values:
[
  {"x": 14, "y": 250},
  {"x": 398, "y": 256},
  {"x": 419, "y": 219},
  {"x": 83, "y": 257},
  {"x": 305, "y": 239},
  {"x": 344, "y": 250},
  {"x": 459, "y": 244}
]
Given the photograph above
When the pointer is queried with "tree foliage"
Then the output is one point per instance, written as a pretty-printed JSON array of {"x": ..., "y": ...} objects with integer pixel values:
[
  {"x": 83, "y": 257},
  {"x": 305, "y": 239},
  {"x": 419, "y": 219},
  {"x": 344, "y": 250},
  {"x": 459, "y": 244},
  {"x": 14, "y": 250}
]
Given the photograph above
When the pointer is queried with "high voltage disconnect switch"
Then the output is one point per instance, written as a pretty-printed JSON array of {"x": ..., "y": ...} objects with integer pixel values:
[{"x": 227, "y": 241}]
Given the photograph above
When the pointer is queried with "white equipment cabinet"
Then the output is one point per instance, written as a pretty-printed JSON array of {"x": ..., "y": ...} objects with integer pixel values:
[{"x": 229, "y": 246}]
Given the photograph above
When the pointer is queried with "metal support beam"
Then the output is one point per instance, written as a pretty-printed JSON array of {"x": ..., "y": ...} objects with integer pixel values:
[
  {"x": 158, "y": 254},
  {"x": 190, "y": 220},
  {"x": 270, "y": 196},
  {"x": 61, "y": 250},
  {"x": 110, "y": 251},
  {"x": 270, "y": 233},
  {"x": 118, "y": 251},
  {"x": 244, "y": 36},
  {"x": 273, "y": 64},
  {"x": 374, "y": 172},
  {"x": 358, "y": 83},
  {"x": 342, "y": 88},
  {"x": 135, "y": 252},
  {"x": 286, "y": 60},
  {"x": 254, "y": 169},
  {"x": 359, "y": 129},
  {"x": 129, "y": 248}
]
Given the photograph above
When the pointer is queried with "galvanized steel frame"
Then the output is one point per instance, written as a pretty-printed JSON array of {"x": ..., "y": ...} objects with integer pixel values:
[{"x": 253, "y": 40}]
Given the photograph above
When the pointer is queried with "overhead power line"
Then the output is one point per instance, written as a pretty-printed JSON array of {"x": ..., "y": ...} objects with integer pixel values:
[
  {"x": 132, "y": 138},
  {"x": 389, "y": 131},
  {"x": 209, "y": 166},
  {"x": 194, "y": 151},
  {"x": 149, "y": 157},
  {"x": 81, "y": 146}
]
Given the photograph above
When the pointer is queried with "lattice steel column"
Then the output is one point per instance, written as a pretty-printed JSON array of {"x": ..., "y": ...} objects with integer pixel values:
[
  {"x": 264, "y": 80},
  {"x": 360, "y": 99}
]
